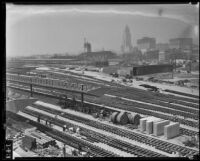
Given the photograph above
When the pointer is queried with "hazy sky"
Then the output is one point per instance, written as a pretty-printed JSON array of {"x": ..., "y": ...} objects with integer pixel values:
[{"x": 33, "y": 30}]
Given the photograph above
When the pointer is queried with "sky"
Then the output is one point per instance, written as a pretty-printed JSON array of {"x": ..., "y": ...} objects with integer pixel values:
[{"x": 49, "y": 29}]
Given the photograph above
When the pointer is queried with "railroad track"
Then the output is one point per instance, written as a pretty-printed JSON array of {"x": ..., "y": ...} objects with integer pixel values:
[
  {"x": 162, "y": 107},
  {"x": 157, "y": 100},
  {"x": 161, "y": 96},
  {"x": 93, "y": 150},
  {"x": 140, "y": 108},
  {"x": 158, "y": 144},
  {"x": 118, "y": 106},
  {"x": 74, "y": 75},
  {"x": 181, "y": 93},
  {"x": 97, "y": 137},
  {"x": 144, "y": 109},
  {"x": 65, "y": 138},
  {"x": 133, "y": 92}
]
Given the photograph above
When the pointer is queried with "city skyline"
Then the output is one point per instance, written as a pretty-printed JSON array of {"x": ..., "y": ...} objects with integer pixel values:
[{"x": 61, "y": 29}]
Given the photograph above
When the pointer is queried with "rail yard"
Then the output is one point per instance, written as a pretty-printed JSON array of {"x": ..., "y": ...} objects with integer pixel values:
[
  {"x": 101, "y": 81},
  {"x": 86, "y": 116}
]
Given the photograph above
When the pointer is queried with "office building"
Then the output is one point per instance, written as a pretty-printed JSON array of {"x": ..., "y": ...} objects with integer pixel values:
[
  {"x": 181, "y": 43},
  {"x": 146, "y": 44}
]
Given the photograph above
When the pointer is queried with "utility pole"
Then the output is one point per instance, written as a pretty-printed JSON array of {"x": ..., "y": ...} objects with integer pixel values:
[
  {"x": 85, "y": 46},
  {"x": 64, "y": 151},
  {"x": 175, "y": 60},
  {"x": 82, "y": 98},
  {"x": 31, "y": 88},
  {"x": 172, "y": 63},
  {"x": 190, "y": 64}
]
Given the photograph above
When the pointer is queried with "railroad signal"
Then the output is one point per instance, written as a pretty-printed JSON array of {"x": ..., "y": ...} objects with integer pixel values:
[{"x": 82, "y": 97}]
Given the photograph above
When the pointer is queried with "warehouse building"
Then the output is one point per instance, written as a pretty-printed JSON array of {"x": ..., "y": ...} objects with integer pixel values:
[
  {"x": 152, "y": 69},
  {"x": 97, "y": 55},
  {"x": 124, "y": 71},
  {"x": 139, "y": 70},
  {"x": 113, "y": 62}
]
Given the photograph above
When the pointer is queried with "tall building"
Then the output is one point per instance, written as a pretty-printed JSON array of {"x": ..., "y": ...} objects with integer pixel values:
[
  {"x": 146, "y": 43},
  {"x": 181, "y": 43},
  {"x": 127, "y": 44},
  {"x": 87, "y": 46}
]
